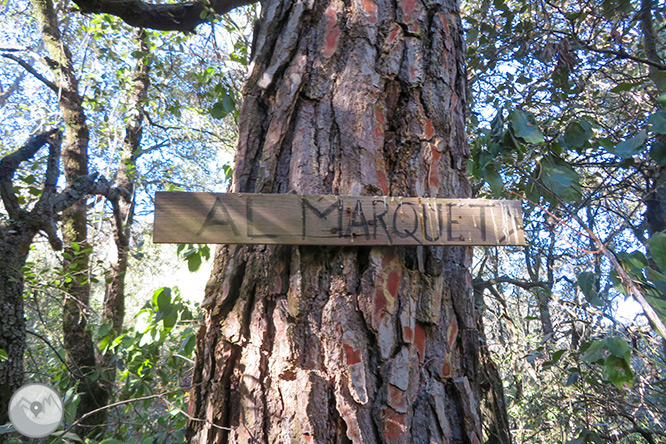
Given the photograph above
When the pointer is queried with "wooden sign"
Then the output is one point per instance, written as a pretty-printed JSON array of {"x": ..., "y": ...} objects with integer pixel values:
[{"x": 219, "y": 218}]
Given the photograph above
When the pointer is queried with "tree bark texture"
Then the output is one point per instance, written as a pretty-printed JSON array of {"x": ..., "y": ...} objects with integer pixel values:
[
  {"x": 77, "y": 337},
  {"x": 362, "y": 345},
  {"x": 15, "y": 238},
  {"x": 13, "y": 253}
]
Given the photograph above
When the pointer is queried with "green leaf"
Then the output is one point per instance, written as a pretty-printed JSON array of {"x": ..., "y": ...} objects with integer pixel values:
[
  {"x": 493, "y": 178},
  {"x": 557, "y": 355},
  {"x": 594, "y": 352},
  {"x": 219, "y": 111},
  {"x": 657, "y": 297},
  {"x": 187, "y": 346},
  {"x": 658, "y": 122},
  {"x": 572, "y": 379},
  {"x": 618, "y": 372},
  {"x": 229, "y": 103},
  {"x": 586, "y": 281},
  {"x": 228, "y": 172},
  {"x": 560, "y": 178},
  {"x": 193, "y": 262},
  {"x": 626, "y": 86},
  {"x": 634, "y": 260},
  {"x": 577, "y": 133},
  {"x": 162, "y": 298},
  {"x": 633, "y": 146},
  {"x": 618, "y": 347},
  {"x": 104, "y": 342},
  {"x": 170, "y": 318},
  {"x": 658, "y": 249},
  {"x": 524, "y": 127},
  {"x": 139, "y": 54},
  {"x": 658, "y": 152},
  {"x": 662, "y": 100},
  {"x": 3, "y": 355}
]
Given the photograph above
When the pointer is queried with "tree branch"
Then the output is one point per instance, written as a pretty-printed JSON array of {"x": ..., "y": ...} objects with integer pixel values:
[
  {"x": 88, "y": 185},
  {"x": 55, "y": 351},
  {"x": 182, "y": 17},
  {"x": 10, "y": 163},
  {"x": 5, "y": 95},
  {"x": 526, "y": 285},
  {"x": 129, "y": 401},
  {"x": 624, "y": 55},
  {"x": 33, "y": 71}
]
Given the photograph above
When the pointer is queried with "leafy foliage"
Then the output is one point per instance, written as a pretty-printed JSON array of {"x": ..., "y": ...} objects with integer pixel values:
[{"x": 568, "y": 115}]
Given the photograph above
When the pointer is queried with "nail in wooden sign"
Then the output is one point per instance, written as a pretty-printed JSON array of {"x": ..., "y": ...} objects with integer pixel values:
[{"x": 221, "y": 218}]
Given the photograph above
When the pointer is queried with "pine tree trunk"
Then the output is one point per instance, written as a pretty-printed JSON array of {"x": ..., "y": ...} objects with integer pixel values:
[{"x": 363, "y": 345}]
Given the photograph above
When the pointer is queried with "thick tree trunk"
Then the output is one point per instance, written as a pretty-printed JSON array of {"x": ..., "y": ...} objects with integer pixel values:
[
  {"x": 313, "y": 344},
  {"x": 77, "y": 337},
  {"x": 13, "y": 253}
]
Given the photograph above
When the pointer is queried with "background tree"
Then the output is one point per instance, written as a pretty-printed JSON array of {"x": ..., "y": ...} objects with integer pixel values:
[
  {"x": 573, "y": 91},
  {"x": 17, "y": 234},
  {"x": 167, "y": 130}
]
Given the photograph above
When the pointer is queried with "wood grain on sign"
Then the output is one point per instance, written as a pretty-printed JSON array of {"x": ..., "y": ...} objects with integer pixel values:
[{"x": 220, "y": 218}]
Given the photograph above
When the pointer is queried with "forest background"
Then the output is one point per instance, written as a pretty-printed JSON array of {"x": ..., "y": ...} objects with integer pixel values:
[{"x": 566, "y": 113}]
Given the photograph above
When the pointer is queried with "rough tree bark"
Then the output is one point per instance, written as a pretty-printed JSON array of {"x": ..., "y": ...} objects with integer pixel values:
[
  {"x": 15, "y": 239},
  {"x": 77, "y": 337},
  {"x": 313, "y": 344}
]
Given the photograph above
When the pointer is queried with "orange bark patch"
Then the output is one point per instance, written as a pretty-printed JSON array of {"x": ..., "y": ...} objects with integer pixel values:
[
  {"x": 408, "y": 6},
  {"x": 353, "y": 356},
  {"x": 433, "y": 171},
  {"x": 393, "y": 425},
  {"x": 453, "y": 332},
  {"x": 430, "y": 130},
  {"x": 382, "y": 179},
  {"x": 370, "y": 8},
  {"x": 419, "y": 340},
  {"x": 446, "y": 368},
  {"x": 395, "y": 32},
  {"x": 393, "y": 283},
  {"x": 468, "y": 279},
  {"x": 445, "y": 22},
  {"x": 397, "y": 398},
  {"x": 389, "y": 256},
  {"x": 332, "y": 35},
  {"x": 379, "y": 114},
  {"x": 412, "y": 73},
  {"x": 411, "y": 9},
  {"x": 380, "y": 300}
]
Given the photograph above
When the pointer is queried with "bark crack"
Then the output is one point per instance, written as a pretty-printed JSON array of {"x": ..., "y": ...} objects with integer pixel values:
[{"x": 266, "y": 349}]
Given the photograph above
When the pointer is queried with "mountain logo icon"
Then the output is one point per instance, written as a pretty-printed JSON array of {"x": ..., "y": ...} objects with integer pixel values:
[{"x": 36, "y": 410}]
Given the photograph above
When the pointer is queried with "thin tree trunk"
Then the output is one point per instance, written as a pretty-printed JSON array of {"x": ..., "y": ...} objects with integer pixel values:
[
  {"x": 77, "y": 337},
  {"x": 314, "y": 344},
  {"x": 655, "y": 200},
  {"x": 123, "y": 208}
]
